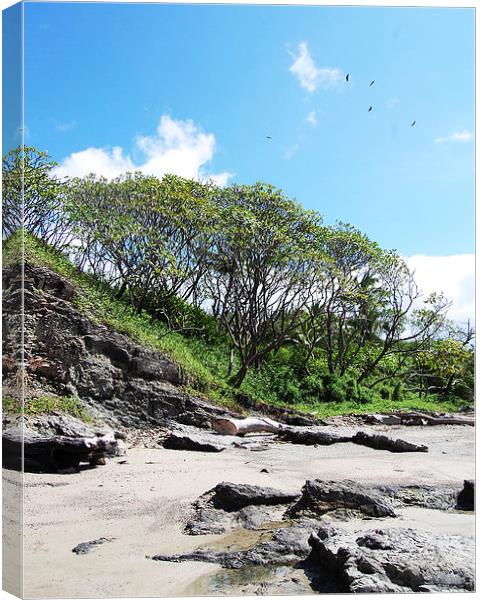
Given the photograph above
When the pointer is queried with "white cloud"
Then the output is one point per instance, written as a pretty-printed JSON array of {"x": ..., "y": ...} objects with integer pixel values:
[
  {"x": 453, "y": 275},
  {"x": 458, "y": 136},
  {"x": 177, "y": 147},
  {"x": 312, "y": 118},
  {"x": 310, "y": 76}
]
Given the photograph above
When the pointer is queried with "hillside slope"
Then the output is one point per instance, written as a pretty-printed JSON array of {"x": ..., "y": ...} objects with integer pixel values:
[
  {"x": 83, "y": 342},
  {"x": 68, "y": 354}
]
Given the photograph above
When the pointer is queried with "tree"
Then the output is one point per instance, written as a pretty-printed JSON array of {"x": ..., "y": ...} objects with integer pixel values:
[
  {"x": 446, "y": 366},
  {"x": 363, "y": 316},
  {"x": 32, "y": 196},
  {"x": 342, "y": 314},
  {"x": 260, "y": 270},
  {"x": 148, "y": 236}
]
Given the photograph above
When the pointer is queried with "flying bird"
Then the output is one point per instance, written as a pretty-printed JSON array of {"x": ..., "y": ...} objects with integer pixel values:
[
  {"x": 413, "y": 123},
  {"x": 369, "y": 109},
  {"x": 347, "y": 77},
  {"x": 268, "y": 137},
  {"x": 372, "y": 82}
]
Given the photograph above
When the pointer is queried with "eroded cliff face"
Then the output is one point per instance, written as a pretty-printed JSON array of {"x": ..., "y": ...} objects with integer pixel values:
[{"x": 68, "y": 354}]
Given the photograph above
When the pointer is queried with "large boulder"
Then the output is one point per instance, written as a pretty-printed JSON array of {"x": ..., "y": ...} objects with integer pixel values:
[
  {"x": 395, "y": 560},
  {"x": 319, "y": 497},
  {"x": 234, "y": 496},
  {"x": 232, "y": 505}
]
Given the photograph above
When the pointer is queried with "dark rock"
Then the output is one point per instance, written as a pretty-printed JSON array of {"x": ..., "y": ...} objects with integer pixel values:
[
  {"x": 199, "y": 442},
  {"x": 252, "y": 517},
  {"x": 465, "y": 499},
  {"x": 311, "y": 437},
  {"x": 234, "y": 496},
  {"x": 208, "y": 520},
  {"x": 86, "y": 547},
  {"x": 286, "y": 547},
  {"x": 230, "y": 505},
  {"x": 319, "y": 497},
  {"x": 434, "y": 497},
  {"x": 395, "y": 560},
  {"x": 68, "y": 354},
  {"x": 382, "y": 442}
]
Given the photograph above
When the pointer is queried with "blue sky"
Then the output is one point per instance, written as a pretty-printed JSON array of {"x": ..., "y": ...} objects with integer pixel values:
[{"x": 133, "y": 76}]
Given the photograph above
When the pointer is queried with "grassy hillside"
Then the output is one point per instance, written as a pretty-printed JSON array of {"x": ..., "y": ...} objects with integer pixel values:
[{"x": 205, "y": 361}]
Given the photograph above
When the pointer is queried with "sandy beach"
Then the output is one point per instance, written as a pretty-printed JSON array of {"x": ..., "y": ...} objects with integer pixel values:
[{"x": 143, "y": 505}]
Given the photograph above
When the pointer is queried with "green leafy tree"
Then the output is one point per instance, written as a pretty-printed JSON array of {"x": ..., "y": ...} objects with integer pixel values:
[
  {"x": 260, "y": 271},
  {"x": 147, "y": 236},
  {"x": 32, "y": 196}
]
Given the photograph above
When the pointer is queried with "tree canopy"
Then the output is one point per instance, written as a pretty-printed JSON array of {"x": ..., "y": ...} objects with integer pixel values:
[{"x": 269, "y": 274}]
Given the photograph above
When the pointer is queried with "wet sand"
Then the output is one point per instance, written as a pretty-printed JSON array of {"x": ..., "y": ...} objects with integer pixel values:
[{"x": 144, "y": 508}]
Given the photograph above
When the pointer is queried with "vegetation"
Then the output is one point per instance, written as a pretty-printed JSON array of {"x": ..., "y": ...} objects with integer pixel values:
[
  {"x": 48, "y": 404},
  {"x": 250, "y": 293}
]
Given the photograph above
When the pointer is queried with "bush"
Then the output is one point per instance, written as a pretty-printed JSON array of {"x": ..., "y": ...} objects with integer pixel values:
[
  {"x": 385, "y": 392},
  {"x": 368, "y": 396},
  {"x": 398, "y": 392}
]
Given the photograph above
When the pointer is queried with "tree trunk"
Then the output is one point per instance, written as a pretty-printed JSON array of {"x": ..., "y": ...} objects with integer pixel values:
[
  {"x": 231, "y": 361},
  {"x": 121, "y": 291},
  {"x": 239, "y": 377},
  {"x": 53, "y": 453}
]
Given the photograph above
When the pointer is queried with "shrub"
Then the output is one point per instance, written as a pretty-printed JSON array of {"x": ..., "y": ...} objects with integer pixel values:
[{"x": 398, "y": 392}]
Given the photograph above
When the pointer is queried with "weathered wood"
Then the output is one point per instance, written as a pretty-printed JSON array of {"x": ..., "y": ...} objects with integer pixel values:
[
  {"x": 240, "y": 427},
  {"x": 312, "y": 437},
  {"x": 53, "y": 453},
  {"x": 382, "y": 442},
  {"x": 416, "y": 418}
]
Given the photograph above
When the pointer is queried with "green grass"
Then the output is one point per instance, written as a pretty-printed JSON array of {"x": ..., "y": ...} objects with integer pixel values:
[
  {"x": 330, "y": 409},
  {"x": 46, "y": 405},
  {"x": 203, "y": 364}
]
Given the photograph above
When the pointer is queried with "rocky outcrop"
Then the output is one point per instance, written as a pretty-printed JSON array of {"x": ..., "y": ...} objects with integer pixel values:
[
  {"x": 230, "y": 505},
  {"x": 434, "y": 497},
  {"x": 395, "y": 560},
  {"x": 284, "y": 547},
  {"x": 68, "y": 354},
  {"x": 319, "y": 497},
  {"x": 234, "y": 496}
]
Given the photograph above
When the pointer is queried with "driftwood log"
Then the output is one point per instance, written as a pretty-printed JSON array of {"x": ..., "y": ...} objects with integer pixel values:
[
  {"x": 383, "y": 442},
  {"x": 240, "y": 427},
  {"x": 53, "y": 453},
  {"x": 311, "y": 437},
  {"x": 417, "y": 418}
]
